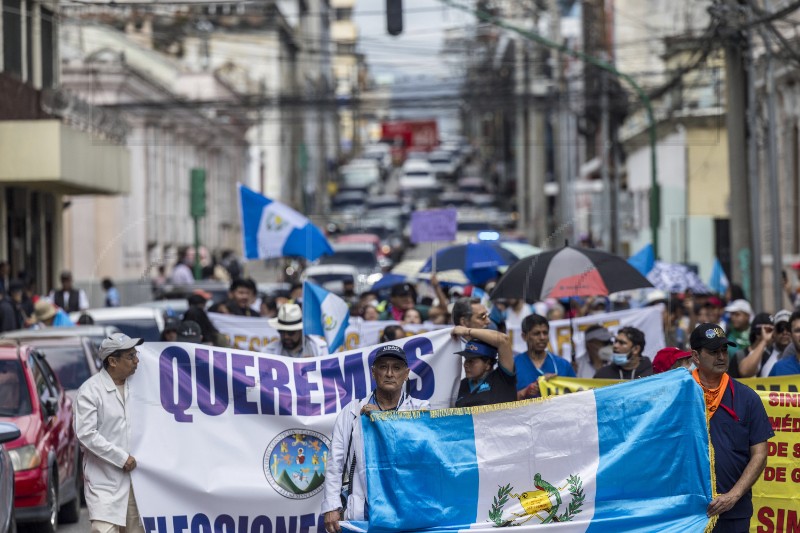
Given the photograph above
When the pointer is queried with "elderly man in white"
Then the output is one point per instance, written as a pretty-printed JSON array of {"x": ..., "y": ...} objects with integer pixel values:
[
  {"x": 345, "y": 467},
  {"x": 291, "y": 341},
  {"x": 102, "y": 424}
]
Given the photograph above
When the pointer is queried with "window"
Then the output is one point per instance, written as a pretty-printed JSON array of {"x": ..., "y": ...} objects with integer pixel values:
[
  {"x": 29, "y": 10},
  {"x": 12, "y": 37},
  {"x": 48, "y": 44},
  {"x": 344, "y": 13},
  {"x": 44, "y": 389},
  {"x": 14, "y": 397}
]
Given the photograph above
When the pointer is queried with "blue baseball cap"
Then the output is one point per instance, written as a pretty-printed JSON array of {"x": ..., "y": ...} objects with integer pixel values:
[
  {"x": 478, "y": 349},
  {"x": 390, "y": 350}
]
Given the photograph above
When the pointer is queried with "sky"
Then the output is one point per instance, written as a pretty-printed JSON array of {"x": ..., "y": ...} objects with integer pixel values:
[{"x": 416, "y": 51}]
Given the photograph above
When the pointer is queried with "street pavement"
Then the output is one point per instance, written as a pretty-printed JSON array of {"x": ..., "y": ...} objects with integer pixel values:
[{"x": 82, "y": 526}]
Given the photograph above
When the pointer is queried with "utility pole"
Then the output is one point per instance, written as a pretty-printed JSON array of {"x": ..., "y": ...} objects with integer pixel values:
[
  {"x": 754, "y": 187},
  {"x": 774, "y": 196},
  {"x": 736, "y": 92}
]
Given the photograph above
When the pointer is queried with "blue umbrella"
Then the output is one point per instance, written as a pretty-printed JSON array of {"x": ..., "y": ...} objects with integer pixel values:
[
  {"x": 478, "y": 261},
  {"x": 388, "y": 281}
]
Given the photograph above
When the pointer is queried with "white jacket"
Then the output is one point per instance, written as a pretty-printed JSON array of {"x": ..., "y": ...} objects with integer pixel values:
[
  {"x": 349, "y": 420},
  {"x": 103, "y": 429}
]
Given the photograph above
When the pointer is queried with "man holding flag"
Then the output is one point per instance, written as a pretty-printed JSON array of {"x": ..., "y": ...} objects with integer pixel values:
[{"x": 292, "y": 341}]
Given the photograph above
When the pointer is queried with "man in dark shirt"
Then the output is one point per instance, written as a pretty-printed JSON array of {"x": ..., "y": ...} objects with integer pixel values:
[
  {"x": 627, "y": 361},
  {"x": 486, "y": 384},
  {"x": 242, "y": 295},
  {"x": 739, "y": 429}
]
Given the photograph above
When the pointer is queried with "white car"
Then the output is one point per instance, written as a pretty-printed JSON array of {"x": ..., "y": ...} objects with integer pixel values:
[
  {"x": 333, "y": 277},
  {"x": 417, "y": 174},
  {"x": 143, "y": 322},
  {"x": 359, "y": 174}
]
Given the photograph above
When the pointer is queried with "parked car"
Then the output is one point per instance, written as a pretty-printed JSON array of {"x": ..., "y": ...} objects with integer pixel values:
[
  {"x": 359, "y": 175},
  {"x": 444, "y": 164},
  {"x": 71, "y": 352},
  {"x": 8, "y": 523},
  {"x": 134, "y": 321},
  {"x": 45, "y": 455},
  {"x": 417, "y": 174},
  {"x": 361, "y": 256},
  {"x": 333, "y": 277}
]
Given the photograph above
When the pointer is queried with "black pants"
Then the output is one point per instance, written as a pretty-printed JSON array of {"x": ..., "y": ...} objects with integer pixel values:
[{"x": 734, "y": 525}]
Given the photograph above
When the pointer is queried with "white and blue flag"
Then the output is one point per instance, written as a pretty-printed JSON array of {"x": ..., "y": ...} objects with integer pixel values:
[
  {"x": 719, "y": 281},
  {"x": 632, "y": 457},
  {"x": 325, "y": 314},
  {"x": 273, "y": 229}
]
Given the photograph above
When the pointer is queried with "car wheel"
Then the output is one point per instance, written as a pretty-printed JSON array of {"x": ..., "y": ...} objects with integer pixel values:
[{"x": 51, "y": 524}]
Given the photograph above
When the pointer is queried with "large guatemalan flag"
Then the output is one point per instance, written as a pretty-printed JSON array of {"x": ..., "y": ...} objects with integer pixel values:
[
  {"x": 630, "y": 457},
  {"x": 273, "y": 229},
  {"x": 325, "y": 314}
]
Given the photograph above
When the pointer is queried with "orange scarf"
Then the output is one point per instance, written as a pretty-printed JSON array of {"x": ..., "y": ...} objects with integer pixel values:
[{"x": 713, "y": 397}]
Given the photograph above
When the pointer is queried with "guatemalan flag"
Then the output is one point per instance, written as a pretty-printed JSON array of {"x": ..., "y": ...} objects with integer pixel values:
[
  {"x": 324, "y": 314},
  {"x": 630, "y": 457},
  {"x": 273, "y": 229}
]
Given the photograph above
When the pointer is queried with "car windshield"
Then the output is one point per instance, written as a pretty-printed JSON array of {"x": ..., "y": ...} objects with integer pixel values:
[
  {"x": 69, "y": 363},
  {"x": 356, "y": 258},
  {"x": 144, "y": 328},
  {"x": 14, "y": 397}
]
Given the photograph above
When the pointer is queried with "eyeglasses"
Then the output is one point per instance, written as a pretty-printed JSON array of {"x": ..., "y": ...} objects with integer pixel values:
[
  {"x": 129, "y": 356},
  {"x": 482, "y": 316},
  {"x": 782, "y": 327}
]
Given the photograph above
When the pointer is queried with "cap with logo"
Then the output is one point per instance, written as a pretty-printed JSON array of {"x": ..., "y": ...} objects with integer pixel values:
[
  {"x": 390, "y": 350},
  {"x": 116, "y": 342},
  {"x": 781, "y": 316},
  {"x": 666, "y": 357},
  {"x": 475, "y": 348},
  {"x": 403, "y": 289},
  {"x": 189, "y": 331},
  {"x": 709, "y": 336}
]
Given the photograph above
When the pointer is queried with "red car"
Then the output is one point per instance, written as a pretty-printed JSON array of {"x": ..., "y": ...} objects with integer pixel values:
[{"x": 45, "y": 456}]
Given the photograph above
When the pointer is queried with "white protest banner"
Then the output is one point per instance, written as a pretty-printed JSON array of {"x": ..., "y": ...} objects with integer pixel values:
[
  {"x": 251, "y": 333},
  {"x": 235, "y": 441},
  {"x": 647, "y": 319}
]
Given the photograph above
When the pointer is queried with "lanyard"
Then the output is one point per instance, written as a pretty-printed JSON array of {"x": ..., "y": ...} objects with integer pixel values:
[
  {"x": 730, "y": 410},
  {"x": 552, "y": 360},
  {"x": 633, "y": 374},
  {"x": 395, "y": 408}
]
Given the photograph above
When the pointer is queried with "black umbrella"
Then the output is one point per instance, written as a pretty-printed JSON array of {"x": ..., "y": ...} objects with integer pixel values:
[{"x": 568, "y": 272}]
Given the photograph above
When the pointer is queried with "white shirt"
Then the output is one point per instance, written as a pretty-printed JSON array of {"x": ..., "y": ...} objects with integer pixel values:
[
  {"x": 349, "y": 422},
  {"x": 773, "y": 358},
  {"x": 585, "y": 367},
  {"x": 514, "y": 319},
  {"x": 182, "y": 275},
  {"x": 313, "y": 345},
  {"x": 103, "y": 429}
]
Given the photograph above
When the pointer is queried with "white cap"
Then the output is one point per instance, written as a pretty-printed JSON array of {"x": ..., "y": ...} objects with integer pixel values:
[
  {"x": 781, "y": 316},
  {"x": 116, "y": 342},
  {"x": 739, "y": 305}
]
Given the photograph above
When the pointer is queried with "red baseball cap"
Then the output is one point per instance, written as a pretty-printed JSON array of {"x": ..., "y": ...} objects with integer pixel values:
[{"x": 666, "y": 357}]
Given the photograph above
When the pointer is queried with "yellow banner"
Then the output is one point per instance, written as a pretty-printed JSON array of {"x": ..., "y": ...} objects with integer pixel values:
[{"x": 776, "y": 495}]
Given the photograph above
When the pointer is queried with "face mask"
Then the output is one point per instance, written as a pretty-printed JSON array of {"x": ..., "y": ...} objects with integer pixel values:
[
  {"x": 606, "y": 353},
  {"x": 620, "y": 359},
  {"x": 692, "y": 367}
]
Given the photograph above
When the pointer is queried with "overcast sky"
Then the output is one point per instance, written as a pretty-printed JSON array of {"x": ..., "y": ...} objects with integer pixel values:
[{"x": 416, "y": 50}]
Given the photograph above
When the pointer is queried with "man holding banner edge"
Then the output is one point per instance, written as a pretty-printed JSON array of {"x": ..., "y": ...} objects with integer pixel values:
[
  {"x": 738, "y": 426},
  {"x": 345, "y": 477}
]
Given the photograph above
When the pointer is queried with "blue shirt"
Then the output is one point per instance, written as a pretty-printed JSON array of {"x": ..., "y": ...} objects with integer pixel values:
[
  {"x": 786, "y": 367},
  {"x": 527, "y": 372},
  {"x": 732, "y": 440}
]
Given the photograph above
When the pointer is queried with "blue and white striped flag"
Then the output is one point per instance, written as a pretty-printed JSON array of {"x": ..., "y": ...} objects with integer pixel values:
[
  {"x": 719, "y": 281},
  {"x": 324, "y": 314},
  {"x": 630, "y": 457},
  {"x": 273, "y": 229}
]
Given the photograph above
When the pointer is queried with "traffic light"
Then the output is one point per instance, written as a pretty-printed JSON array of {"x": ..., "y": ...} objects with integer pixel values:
[
  {"x": 198, "y": 193},
  {"x": 394, "y": 17}
]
